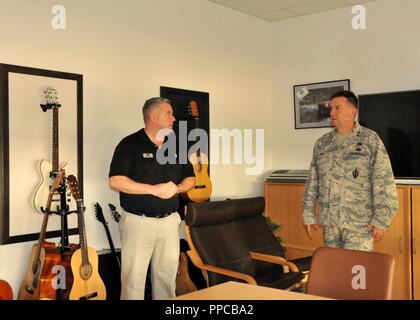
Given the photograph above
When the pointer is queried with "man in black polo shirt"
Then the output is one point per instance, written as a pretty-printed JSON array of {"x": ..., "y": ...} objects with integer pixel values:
[{"x": 149, "y": 190}]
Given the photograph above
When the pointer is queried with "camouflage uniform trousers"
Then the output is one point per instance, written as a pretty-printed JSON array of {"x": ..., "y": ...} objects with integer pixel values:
[{"x": 349, "y": 238}]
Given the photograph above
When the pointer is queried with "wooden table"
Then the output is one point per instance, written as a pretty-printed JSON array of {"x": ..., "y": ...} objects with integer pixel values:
[{"x": 241, "y": 291}]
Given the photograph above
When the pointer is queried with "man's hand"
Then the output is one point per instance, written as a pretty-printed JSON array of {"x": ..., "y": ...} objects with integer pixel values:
[
  {"x": 377, "y": 233},
  {"x": 165, "y": 190},
  {"x": 309, "y": 228},
  {"x": 173, "y": 188}
]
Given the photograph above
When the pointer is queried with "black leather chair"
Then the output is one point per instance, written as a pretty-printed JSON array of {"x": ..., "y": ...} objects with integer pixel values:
[
  {"x": 259, "y": 237},
  {"x": 219, "y": 248}
]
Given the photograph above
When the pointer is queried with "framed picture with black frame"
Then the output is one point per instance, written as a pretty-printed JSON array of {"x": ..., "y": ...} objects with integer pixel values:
[
  {"x": 27, "y": 137},
  {"x": 311, "y": 102}
]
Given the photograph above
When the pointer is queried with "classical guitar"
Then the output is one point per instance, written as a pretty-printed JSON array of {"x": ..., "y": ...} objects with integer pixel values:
[
  {"x": 202, "y": 190},
  {"x": 6, "y": 292},
  {"x": 87, "y": 284},
  {"x": 37, "y": 283},
  {"x": 100, "y": 217},
  {"x": 48, "y": 170}
]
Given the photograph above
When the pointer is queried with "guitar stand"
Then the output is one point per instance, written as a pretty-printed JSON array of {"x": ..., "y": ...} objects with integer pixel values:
[{"x": 62, "y": 210}]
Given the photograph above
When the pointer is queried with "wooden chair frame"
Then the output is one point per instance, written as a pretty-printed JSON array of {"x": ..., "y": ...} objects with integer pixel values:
[{"x": 198, "y": 262}]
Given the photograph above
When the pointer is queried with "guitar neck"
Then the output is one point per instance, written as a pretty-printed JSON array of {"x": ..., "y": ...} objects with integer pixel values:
[
  {"x": 40, "y": 240},
  {"x": 45, "y": 219},
  {"x": 55, "y": 150},
  {"x": 82, "y": 232},
  {"x": 111, "y": 243},
  {"x": 197, "y": 138}
]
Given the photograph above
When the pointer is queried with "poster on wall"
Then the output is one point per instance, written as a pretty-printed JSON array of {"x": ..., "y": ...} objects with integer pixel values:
[
  {"x": 42, "y": 132},
  {"x": 311, "y": 102}
]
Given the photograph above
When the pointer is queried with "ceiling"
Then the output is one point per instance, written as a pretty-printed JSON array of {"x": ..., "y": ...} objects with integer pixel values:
[{"x": 275, "y": 10}]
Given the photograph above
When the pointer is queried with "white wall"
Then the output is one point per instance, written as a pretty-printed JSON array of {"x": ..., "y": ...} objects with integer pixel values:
[
  {"x": 126, "y": 50},
  {"x": 322, "y": 47}
]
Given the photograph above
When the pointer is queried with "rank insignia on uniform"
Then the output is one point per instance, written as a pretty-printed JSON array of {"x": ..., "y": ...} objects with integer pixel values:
[
  {"x": 148, "y": 155},
  {"x": 355, "y": 173}
]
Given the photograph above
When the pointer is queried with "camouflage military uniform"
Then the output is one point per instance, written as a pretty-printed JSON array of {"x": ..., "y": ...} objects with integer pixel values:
[{"x": 354, "y": 186}]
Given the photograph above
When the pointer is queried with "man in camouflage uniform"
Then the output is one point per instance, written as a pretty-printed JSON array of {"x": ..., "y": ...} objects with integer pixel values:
[{"x": 351, "y": 179}]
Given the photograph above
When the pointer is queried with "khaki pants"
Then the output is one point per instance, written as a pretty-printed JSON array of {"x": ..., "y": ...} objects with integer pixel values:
[{"x": 145, "y": 240}]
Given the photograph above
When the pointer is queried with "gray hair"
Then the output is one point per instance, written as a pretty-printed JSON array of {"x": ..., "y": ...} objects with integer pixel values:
[{"x": 150, "y": 104}]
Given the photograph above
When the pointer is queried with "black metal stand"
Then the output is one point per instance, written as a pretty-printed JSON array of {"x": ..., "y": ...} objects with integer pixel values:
[
  {"x": 66, "y": 249},
  {"x": 63, "y": 210}
]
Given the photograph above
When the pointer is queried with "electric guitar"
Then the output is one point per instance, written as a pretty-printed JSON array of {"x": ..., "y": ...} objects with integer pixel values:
[
  {"x": 87, "y": 284},
  {"x": 6, "y": 292},
  {"x": 100, "y": 216},
  {"x": 202, "y": 190},
  {"x": 48, "y": 170},
  {"x": 37, "y": 283}
]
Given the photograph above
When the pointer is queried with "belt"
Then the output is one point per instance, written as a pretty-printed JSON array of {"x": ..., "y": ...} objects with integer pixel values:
[{"x": 161, "y": 215}]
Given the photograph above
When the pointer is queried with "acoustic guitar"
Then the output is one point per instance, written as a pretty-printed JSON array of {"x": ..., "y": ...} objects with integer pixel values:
[
  {"x": 87, "y": 284},
  {"x": 6, "y": 292},
  {"x": 202, "y": 189},
  {"x": 184, "y": 283},
  {"x": 37, "y": 283},
  {"x": 47, "y": 170}
]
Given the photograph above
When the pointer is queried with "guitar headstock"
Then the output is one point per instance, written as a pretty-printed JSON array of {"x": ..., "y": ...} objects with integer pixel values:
[
  {"x": 74, "y": 187},
  {"x": 193, "y": 109},
  {"x": 99, "y": 213},
  {"x": 114, "y": 212},
  {"x": 51, "y": 99}
]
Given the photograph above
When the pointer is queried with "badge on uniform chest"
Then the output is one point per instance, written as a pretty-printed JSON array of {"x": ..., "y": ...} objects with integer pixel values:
[
  {"x": 355, "y": 173},
  {"x": 147, "y": 155}
]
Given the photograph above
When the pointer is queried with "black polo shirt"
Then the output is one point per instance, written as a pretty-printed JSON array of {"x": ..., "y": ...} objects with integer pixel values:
[{"x": 135, "y": 157}]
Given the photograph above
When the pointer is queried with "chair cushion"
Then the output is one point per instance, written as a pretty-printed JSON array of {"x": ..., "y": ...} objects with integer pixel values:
[
  {"x": 224, "y": 232},
  {"x": 222, "y": 246},
  {"x": 259, "y": 237},
  {"x": 209, "y": 213},
  {"x": 248, "y": 208}
]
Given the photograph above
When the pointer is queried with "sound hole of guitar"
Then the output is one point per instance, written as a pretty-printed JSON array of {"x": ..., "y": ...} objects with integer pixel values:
[{"x": 86, "y": 271}]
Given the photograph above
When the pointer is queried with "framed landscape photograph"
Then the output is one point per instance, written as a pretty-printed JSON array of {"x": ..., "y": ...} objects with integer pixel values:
[{"x": 311, "y": 102}]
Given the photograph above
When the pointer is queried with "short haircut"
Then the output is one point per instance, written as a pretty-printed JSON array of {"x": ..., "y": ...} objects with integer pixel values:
[
  {"x": 150, "y": 104},
  {"x": 350, "y": 96}
]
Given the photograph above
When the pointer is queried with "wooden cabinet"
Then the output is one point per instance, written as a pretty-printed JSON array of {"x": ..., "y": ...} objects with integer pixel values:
[
  {"x": 397, "y": 242},
  {"x": 415, "y": 203},
  {"x": 284, "y": 206}
]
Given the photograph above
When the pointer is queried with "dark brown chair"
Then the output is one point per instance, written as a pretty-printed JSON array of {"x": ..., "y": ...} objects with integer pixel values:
[
  {"x": 219, "y": 248},
  {"x": 255, "y": 230},
  {"x": 350, "y": 274}
]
